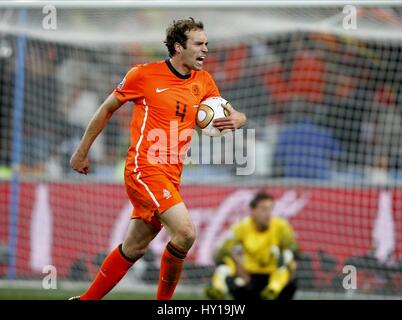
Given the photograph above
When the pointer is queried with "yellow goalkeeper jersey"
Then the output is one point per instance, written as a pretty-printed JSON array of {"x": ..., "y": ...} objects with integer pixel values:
[{"x": 260, "y": 247}]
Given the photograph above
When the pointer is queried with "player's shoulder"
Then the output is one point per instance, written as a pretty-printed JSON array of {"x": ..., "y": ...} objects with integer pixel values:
[
  {"x": 279, "y": 222},
  {"x": 145, "y": 67},
  {"x": 244, "y": 223},
  {"x": 241, "y": 228},
  {"x": 203, "y": 74},
  {"x": 153, "y": 65}
]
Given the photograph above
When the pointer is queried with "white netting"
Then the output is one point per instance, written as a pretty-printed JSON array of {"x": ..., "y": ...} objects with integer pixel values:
[{"x": 325, "y": 103}]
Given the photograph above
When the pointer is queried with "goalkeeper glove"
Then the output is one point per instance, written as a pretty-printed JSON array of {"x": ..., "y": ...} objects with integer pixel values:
[
  {"x": 214, "y": 293},
  {"x": 218, "y": 288},
  {"x": 278, "y": 280}
]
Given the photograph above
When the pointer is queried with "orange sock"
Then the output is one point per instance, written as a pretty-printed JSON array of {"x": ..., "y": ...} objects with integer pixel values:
[
  {"x": 113, "y": 268},
  {"x": 171, "y": 267}
]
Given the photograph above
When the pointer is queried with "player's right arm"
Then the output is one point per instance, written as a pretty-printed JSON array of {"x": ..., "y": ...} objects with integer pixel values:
[
  {"x": 231, "y": 242},
  {"x": 226, "y": 248},
  {"x": 231, "y": 254},
  {"x": 79, "y": 160}
]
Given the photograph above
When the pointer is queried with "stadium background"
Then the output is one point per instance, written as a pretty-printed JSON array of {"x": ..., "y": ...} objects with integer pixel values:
[{"x": 325, "y": 102}]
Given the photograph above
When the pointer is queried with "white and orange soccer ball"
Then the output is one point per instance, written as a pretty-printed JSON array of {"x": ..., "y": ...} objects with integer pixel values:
[{"x": 208, "y": 110}]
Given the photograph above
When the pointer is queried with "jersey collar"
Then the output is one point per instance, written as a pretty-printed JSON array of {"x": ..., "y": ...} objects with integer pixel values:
[{"x": 175, "y": 72}]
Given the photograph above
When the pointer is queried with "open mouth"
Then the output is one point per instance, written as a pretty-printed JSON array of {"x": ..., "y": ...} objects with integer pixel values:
[{"x": 201, "y": 59}]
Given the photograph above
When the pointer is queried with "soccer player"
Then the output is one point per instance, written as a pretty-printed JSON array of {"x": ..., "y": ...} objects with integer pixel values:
[
  {"x": 257, "y": 261},
  {"x": 166, "y": 95}
]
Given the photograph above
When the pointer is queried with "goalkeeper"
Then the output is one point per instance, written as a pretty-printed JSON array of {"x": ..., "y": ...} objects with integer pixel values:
[{"x": 257, "y": 261}]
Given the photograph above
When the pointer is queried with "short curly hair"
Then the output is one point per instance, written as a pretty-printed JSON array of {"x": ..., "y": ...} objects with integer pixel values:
[{"x": 176, "y": 32}]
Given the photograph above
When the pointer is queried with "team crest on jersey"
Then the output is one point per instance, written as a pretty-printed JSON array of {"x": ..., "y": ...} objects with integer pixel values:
[
  {"x": 121, "y": 84},
  {"x": 195, "y": 90},
  {"x": 166, "y": 194}
]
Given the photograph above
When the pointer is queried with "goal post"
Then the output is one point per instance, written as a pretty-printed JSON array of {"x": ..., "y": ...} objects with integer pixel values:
[{"x": 321, "y": 86}]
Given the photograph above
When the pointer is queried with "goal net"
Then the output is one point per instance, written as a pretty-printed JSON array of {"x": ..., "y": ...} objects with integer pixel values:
[{"x": 323, "y": 95}]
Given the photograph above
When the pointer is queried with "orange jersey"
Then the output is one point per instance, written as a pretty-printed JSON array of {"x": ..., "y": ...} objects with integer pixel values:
[{"x": 164, "y": 116}]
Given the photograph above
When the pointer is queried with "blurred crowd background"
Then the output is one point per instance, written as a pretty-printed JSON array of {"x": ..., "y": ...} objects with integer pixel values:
[
  {"x": 325, "y": 104},
  {"x": 324, "y": 107}
]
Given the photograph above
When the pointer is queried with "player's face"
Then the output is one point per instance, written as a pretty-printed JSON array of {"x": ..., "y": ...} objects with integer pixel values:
[
  {"x": 262, "y": 213},
  {"x": 194, "y": 54}
]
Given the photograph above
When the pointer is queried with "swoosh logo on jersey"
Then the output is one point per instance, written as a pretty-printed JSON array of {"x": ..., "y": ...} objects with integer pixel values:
[{"x": 161, "y": 90}]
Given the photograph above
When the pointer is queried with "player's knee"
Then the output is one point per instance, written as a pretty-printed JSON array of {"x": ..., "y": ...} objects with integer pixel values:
[
  {"x": 185, "y": 237},
  {"x": 134, "y": 251}
]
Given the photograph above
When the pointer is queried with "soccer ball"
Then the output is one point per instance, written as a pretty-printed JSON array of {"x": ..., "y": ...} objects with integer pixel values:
[{"x": 208, "y": 110}]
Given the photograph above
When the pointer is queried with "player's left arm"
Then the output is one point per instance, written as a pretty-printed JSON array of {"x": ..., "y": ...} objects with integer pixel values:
[
  {"x": 289, "y": 248},
  {"x": 287, "y": 251},
  {"x": 225, "y": 249},
  {"x": 288, "y": 240},
  {"x": 285, "y": 271},
  {"x": 230, "y": 253},
  {"x": 235, "y": 120}
]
